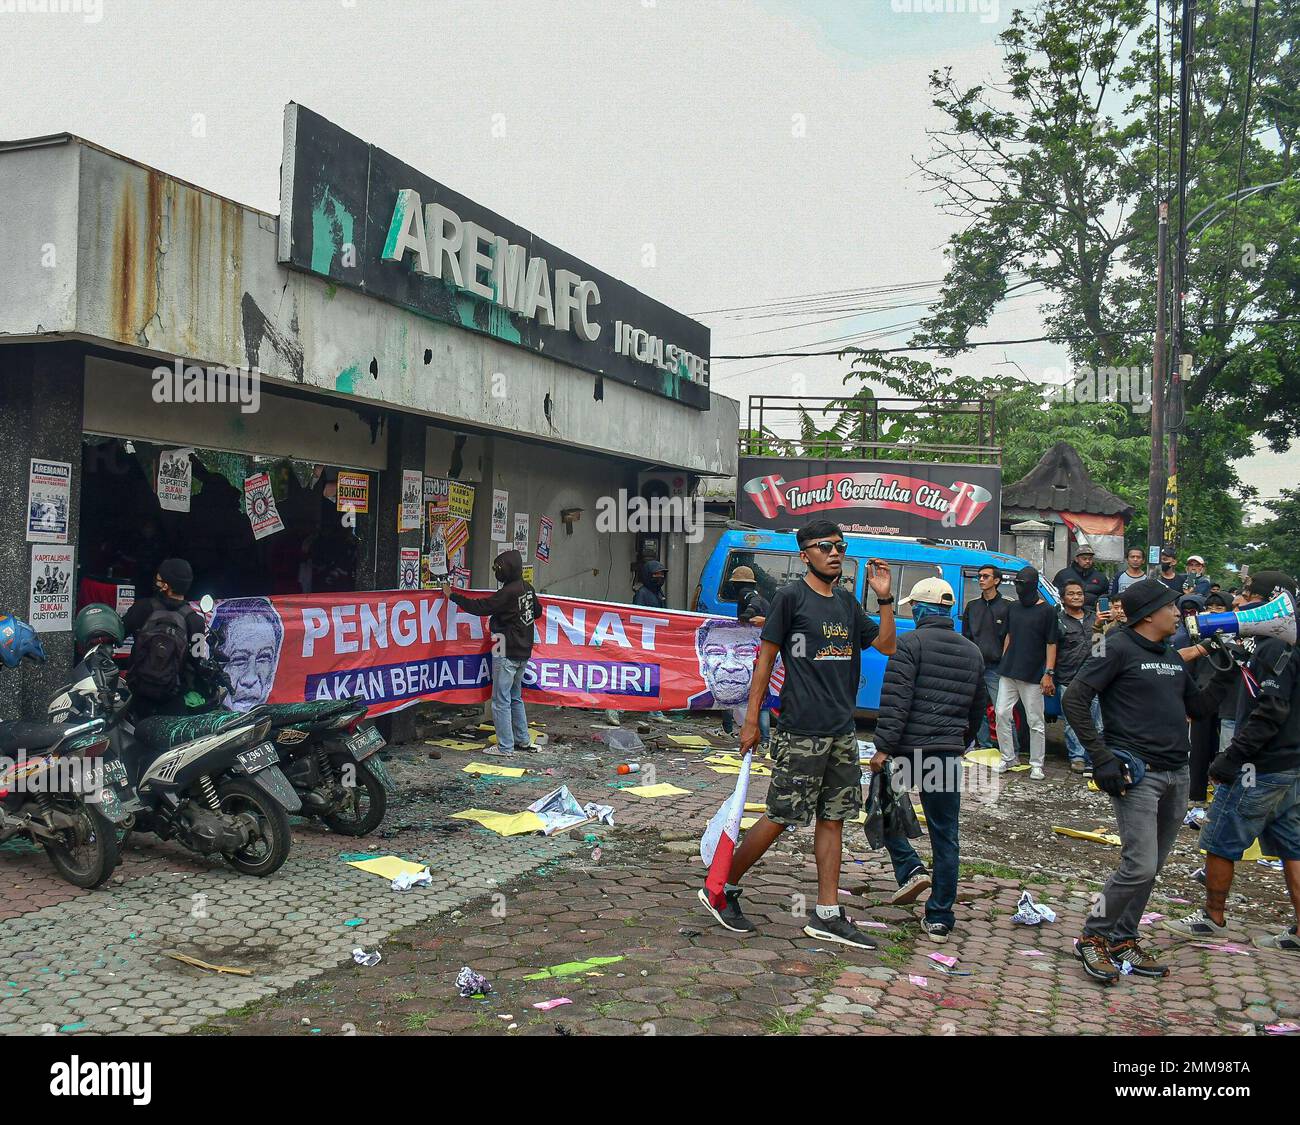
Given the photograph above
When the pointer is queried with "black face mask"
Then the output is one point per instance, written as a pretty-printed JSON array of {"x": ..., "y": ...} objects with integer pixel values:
[{"x": 1028, "y": 595}]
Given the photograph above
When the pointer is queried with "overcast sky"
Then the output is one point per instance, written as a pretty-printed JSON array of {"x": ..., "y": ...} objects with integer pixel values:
[{"x": 713, "y": 153}]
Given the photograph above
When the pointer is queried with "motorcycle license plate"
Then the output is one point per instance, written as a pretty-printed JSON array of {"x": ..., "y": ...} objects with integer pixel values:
[
  {"x": 114, "y": 772},
  {"x": 258, "y": 758},
  {"x": 366, "y": 741}
]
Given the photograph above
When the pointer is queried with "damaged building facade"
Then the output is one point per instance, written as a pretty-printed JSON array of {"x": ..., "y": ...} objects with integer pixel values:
[{"x": 260, "y": 393}]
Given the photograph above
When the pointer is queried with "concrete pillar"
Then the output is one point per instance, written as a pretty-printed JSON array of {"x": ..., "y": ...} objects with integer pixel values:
[
  {"x": 41, "y": 405},
  {"x": 1031, "y": 542},
  {"x": 482, "y": 550}
]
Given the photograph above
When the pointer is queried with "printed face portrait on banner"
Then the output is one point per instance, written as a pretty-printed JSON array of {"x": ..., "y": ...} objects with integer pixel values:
[
  {"x": 254, "y": 635},
  {"x": 726, "y": 650}
]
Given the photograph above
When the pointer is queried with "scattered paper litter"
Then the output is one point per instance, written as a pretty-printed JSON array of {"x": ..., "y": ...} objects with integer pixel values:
[
  {"x": 405, "y": 880},
  {"x": 1287, "y": 1028},
  {"x": 470, "y": 983},
  {"x": 503, "y": 824},
  {"x": 386, "y": 866},
  {"x": 943, "y": 959},
  {"x": 370, "y": 960},
  {"x": 499, "y": 771},
  {"x": 1030, "y": 913},
  {"x": 559, "y": 810},
  {"x": 547, "y": 1005},
  {"x": 690, "y": 740},
  {"x": 1030, "y": 952},
  {"x": 918, "y": 980},
  {"x": 1099, "y": 836},
  {"x": 1147, "y": 919},
  {"x": 663, "y": 789},
  {"x": 1225, "y": 947},
  {"x": 455, "y": 744}
]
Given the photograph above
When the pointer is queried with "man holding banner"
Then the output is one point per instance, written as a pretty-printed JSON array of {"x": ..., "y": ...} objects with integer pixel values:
[{"x": 819, "y": 630}]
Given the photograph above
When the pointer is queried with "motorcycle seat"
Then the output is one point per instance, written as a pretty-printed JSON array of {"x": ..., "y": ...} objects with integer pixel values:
[
  {"x": 162, "y": 732},
  {"x": 309, "y": 713},
  {"x": 30, "y": 735}
]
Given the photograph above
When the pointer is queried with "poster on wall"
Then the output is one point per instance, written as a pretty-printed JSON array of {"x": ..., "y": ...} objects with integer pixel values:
[
  {"x": 528, "y": 575},
  {"x": 259, "y": 504},
  {"x": 544, "y": 528},
  {"x": 175, "y": 472},
  {"x": 353, "y": 493},
  {"x": 521, "y": 533},
  {"x": 437, "y": 552},
  {"x": 408, "y": 577},
  {"x": 50, "y": 602},
  {"x": 460, "y": 500},
  {"x": 408, "y": 516},
  {"x": 446, "y": 546},
  {"x": 431, "y": 489},
  {"x": 500, "y": 506},
  {"x": 49, "y": 485},
  {"x": 123, "y": 600}
]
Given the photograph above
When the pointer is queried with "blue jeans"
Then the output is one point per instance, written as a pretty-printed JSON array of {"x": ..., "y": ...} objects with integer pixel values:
[
  {"x": 941, "y": 809},
  {"x": 1072, "y": 744},
  {"x": 508, "y": 703},
  {"x": 983, "y": 739}
]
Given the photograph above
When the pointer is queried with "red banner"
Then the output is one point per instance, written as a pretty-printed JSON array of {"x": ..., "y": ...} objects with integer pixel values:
[{"x": 397, "y": 648}]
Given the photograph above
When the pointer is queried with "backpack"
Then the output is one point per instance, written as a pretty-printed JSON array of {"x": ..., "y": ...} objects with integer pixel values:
[{"x": 158, "y": 654}]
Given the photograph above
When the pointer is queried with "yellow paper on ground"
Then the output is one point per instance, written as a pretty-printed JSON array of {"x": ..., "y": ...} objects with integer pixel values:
[
  {"x": 538, "y": 737},
  {"x": 986, "y": 757},
  {"x": 691, "y": 740},
  {"x": 1018, "y": 769},
  {"x": 498, "y": 771},
  {"x": 1101, "y": 836},
  {"x": 748, "y": 822},
  {"x": 387, "y": 866},
  {"x": 755, "y": 806},
  {"x": 503, "y": 824},
  {"x": 455, "y": 744},
  {"x": 754, "y": 770},
  {"x": 663, "y": 789},
  {"x": 489, "y": 726},
  {"x": 723, "y": 759}
]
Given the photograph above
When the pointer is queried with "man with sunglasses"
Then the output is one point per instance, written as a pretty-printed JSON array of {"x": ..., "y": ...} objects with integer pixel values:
[{"x": 819, "y": 630}]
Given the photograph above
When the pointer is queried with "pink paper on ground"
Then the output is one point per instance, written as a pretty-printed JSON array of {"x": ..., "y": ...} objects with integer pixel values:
[
  {"x": 915, "y": 979},
  {"x": 943, "y": 959},
  {"x": 547, "y": 1005},
  {"x": 1147, "y": 919},
  {"x": 1030, "y": 952}
]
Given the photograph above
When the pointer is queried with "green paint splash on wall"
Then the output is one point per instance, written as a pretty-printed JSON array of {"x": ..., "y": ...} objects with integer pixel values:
[
  {"x": 331, "y": 230},
  {"x": 346, "y": 380}
]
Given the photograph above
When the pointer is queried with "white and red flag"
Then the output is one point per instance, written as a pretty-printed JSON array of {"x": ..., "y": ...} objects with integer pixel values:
[{"x": 718, "y": 844}]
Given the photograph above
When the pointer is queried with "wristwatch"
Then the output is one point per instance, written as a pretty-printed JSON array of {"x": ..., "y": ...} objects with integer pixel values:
[{"x": 885, "y": 601}]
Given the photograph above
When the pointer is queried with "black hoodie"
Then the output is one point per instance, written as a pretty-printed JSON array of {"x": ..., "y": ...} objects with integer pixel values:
[
  {"x": 512, "y": 610},
  {"x": 651, "y": 593}
]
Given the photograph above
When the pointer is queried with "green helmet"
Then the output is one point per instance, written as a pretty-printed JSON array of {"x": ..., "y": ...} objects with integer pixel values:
[{"x": 97, "y": 620}]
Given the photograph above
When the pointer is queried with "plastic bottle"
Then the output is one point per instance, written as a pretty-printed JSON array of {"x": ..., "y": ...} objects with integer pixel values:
[{"x": 630, "y": 767}]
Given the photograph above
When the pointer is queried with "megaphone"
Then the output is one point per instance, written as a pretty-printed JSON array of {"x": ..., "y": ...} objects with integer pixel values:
[{"x": 1272, "y": 619}]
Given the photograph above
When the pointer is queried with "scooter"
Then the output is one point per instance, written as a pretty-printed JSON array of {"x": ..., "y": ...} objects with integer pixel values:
[
  {"x": 50, "y": 793},
  {"x": 325, "y": 747},
  {"x": 209, "y": 780}
]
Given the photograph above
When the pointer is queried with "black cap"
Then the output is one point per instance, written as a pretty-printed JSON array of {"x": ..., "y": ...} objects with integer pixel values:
[
  {"x": 1262, "y": 583},
  {"x": 177, "y": 574},
  {"x": 1144, "y": 597}
]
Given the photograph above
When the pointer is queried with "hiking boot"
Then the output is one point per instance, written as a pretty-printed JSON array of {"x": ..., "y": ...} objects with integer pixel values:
[
  {"x": 1091, "y": 950},
  {"x": 1198, "y": 926},
  {"x": 936, "y": 931},
  {"x": 1141, "y": 962},
  {"x": 1286, "y": 942},
  {"x": 839, "y": 928},
  {"x": 917, "y": 883},
  {"x": 730, "y": 916}
]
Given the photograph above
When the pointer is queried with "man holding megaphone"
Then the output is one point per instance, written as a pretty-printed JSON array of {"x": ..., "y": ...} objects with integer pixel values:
[
  {"x": 1258, "y": 775},
  {"x": 1141, "y": 761}
]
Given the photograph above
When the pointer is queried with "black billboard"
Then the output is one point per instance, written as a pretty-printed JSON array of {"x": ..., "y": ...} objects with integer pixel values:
[
  {"x": 357, "y": 215},
  {"x": 957, "y": 504}
]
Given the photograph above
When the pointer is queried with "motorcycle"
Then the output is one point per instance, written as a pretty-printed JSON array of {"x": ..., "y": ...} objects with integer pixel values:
[
  {"x": 326, "y": 750},
  {"x": 209, "y": 780},
  {"x": 50, "y": 794}
]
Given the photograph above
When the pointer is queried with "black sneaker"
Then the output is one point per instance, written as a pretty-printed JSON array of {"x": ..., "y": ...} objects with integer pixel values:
[
  {"x": 1091, "y": 950},
  {"x": 838, "y": 928},
  {"x": 917, "y": 884},
  {"x": 1141, "y": 962},
  {"x": 730, "y": 916},
  {"x": 936, "y": 931}
]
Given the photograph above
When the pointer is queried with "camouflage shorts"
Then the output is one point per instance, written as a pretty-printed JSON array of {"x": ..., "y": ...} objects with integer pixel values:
[{"x": 814, "y": 776}]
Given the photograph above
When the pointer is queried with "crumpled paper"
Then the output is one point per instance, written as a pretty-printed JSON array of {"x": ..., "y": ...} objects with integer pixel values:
[
  {"x": 370, "y": 960},
  {"x": 469, "y": 983},
  {"x": 1031, "y": 913},
  {"x": 408, "y": 879}
]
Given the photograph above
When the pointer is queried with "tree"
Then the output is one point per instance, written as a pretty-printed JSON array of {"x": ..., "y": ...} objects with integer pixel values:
[
  {"x": 1055, "y": 173},
  {"x": 1275, "y": 545}
]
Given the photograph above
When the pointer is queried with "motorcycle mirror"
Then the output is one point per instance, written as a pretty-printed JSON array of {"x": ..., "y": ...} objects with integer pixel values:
[{"x": 206, "y": 603}]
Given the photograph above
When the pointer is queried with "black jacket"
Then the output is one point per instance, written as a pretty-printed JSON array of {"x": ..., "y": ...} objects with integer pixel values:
[
  {"x": 1095, "y": 584},
  {"x": 512, "y": 610},
  {"x": 933, "y": 697},
  {"x": 650, "y": 594},
  {"x": 984, "y": 621},
  {"x": 1073, "y": 647}
]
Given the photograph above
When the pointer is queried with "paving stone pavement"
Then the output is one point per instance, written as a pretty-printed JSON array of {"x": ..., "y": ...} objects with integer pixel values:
[{"x": 510, "y": 908}]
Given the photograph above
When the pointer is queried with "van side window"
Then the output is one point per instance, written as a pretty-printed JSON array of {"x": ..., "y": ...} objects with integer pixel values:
[
  {"x": 771, "y": 569},
  {"x": 970, "y": 587},
  {"x": 906, "y": 575}
]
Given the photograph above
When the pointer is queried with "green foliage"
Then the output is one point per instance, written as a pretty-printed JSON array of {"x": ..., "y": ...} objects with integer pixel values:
[{"x": 1275, "y": 545}]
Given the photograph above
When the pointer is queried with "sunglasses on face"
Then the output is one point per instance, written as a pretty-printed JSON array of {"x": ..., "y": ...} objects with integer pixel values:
[{"x": 828, "y": 546}]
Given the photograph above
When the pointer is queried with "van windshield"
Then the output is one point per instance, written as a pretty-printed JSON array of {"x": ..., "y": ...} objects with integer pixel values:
[{"x": 772, "y": 570}]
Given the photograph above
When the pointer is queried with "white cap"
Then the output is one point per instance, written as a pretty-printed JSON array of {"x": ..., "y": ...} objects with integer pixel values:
[
  {"x": 935, "y": 591},
  {"x": 1196, "y": 558}
]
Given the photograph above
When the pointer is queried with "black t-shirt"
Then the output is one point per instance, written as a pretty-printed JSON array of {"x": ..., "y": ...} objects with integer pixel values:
[
  {"x": 1144, "y": 688},
  {"x": 821, "y": 641},
  {"x": 752, "y": 604},
  {"x": 1279, "y": 678},
  {"x": 1031, "y": 629}
]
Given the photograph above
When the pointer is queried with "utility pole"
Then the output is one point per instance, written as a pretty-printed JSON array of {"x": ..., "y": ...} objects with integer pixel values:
[
  {"x": 1181, "y": 362},
  {"x": 1157, "y": 475}
]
